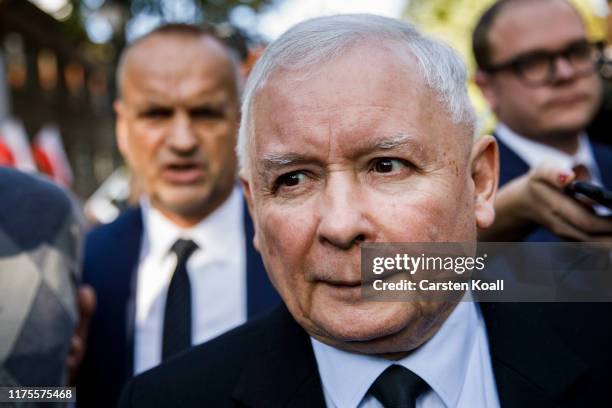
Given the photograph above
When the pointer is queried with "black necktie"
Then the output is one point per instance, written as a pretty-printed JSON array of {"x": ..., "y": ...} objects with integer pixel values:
[
  {"x": 177, "y": 315},
  {"x": 398, "y": 387}
]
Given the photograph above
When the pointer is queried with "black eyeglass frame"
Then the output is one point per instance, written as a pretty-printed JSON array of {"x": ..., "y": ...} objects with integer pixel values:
[{"x": 517, "y": 63}]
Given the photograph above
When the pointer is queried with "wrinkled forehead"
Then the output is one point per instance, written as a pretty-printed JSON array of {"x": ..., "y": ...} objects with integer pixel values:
[
  {"x": 524, "y": 26},
  {"x": 176, "y": 58},
  {"x": 366, "y": 61},
  {"x": 369, "y": 94}
]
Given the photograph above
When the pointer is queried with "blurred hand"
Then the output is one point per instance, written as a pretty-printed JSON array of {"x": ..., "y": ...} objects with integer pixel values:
[
  {"x": 543, "y": 202},
  {"x": 86, "y": 300},
  {"x": 537, "y": 200}
]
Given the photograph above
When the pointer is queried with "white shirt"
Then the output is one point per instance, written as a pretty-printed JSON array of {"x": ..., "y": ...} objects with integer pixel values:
[
  {"x": 217, "y": 272},
  {"x": 455, "y": 363},
  {"x": 534, "y": 153}
]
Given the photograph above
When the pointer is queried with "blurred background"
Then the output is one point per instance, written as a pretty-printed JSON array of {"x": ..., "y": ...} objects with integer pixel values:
[{"x": 57, "y": 61}]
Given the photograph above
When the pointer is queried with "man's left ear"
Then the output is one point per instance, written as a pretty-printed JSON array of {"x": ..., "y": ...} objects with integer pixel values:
[{"x": 485, "y": 175}]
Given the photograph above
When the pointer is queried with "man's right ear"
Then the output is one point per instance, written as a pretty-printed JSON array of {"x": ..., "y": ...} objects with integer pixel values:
[
  {"x": 484, "y": 82},
  {"x": 121, "y": 127}
]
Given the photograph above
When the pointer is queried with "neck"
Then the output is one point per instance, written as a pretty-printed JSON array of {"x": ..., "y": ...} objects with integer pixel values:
[
  {"x": 187, "y": 218},
  {"x": 567, "y": 143},
  {"x": 394, "y": 356},
  {"x": 182, "y": 220}
]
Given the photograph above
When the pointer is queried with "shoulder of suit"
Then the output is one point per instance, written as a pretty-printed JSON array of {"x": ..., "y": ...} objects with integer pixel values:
[
  {"x": 105, "y": 243},
  {"x": 130, "y": 219},
  {"x": 602, "y": 149}
]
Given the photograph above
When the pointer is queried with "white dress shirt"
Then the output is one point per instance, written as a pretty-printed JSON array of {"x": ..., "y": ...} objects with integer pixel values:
[
  {"x": 455, "y": 363},
  {"x": 217, "y": 272}
]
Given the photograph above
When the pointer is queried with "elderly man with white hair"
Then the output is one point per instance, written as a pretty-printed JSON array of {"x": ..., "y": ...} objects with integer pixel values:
[{"x": 357, "y": 129}]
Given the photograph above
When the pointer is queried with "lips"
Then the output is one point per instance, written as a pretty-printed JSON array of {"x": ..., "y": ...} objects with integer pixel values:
[
  {"x": 343, "y": 284},
  {"x": 345, "y": 291},
  {"x": 183, "y": 172},
  {"x": 568, "y": 100}
]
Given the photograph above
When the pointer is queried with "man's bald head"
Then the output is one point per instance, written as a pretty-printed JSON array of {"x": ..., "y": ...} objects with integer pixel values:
[
  {"x": 174, "y": 35},
  {"x": 177, "y": 119}
]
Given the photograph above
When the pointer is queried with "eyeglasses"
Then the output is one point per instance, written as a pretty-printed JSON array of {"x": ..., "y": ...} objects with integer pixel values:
[{"x": 537, "y": 68}]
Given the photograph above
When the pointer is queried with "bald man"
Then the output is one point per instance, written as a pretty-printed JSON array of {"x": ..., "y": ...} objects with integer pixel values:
[{"x": 180, "y": 268}]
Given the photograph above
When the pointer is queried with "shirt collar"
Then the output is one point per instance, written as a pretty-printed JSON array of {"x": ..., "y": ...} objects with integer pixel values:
[
  {"x": 215, "y": 233},
  {"x": 534, "y": 153},
  {"x": 442, "y": 361}
]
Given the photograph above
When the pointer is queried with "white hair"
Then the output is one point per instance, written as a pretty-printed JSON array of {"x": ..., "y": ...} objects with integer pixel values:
[{"x": 315, "y": 42}]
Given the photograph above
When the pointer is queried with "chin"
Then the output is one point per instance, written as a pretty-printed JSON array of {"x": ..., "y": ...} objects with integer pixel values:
[
  {"x": 186, "y": 200},
  {"x": 568, "y": 127},
  {"x": 569, "y": 121},
  {"x": 381, "y": 327},
  {"x": 366, "y": 324},
  {"x": 374, "y": 336}
]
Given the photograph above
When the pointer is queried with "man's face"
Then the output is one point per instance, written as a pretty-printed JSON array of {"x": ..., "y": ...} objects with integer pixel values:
[
  {"x": 562, "y": 107},
  {"x": 177, "y": 122},
  {"x": 359, "y": 152}
]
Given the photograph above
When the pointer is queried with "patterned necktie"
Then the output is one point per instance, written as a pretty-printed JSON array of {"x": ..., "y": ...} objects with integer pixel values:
[
  {"x": 398, "y": 387},
  {"x": 177, "y": 315}
]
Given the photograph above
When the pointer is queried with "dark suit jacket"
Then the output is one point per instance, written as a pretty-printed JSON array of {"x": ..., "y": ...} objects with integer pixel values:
[
  {"x": 110, "y": 264},
  {"x": 512, "y": 166},
  {"x": 543, "y": 355}
]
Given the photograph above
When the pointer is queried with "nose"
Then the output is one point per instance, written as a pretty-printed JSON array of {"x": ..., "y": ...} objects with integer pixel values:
[
  {"x": 563, "y": 69},
  {"x": 344, "y": 221},
  {"x": 182, "y": 138}
]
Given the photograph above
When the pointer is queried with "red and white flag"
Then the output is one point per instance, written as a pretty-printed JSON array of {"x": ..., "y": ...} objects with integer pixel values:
[
  {"x": 51, "y": 157},
  {"x": 15, "y": 140},
  {"x": 6, "y": 157}
]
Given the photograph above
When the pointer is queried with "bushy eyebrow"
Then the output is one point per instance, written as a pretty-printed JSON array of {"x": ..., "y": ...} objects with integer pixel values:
[
  {"x": 389, "y": 143},
  {"x": 402, "y": 141},
  {"x": 271, "y": 162},
  {"x": 274, "y": 161},
  {"x": 204, "y": 104}
]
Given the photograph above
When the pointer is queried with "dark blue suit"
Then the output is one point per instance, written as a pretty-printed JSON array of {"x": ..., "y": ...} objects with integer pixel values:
[
  {"x": 110, "y": 262},
  {"x": 512, "y": 166},
  {"x": 549, "y": 355}
]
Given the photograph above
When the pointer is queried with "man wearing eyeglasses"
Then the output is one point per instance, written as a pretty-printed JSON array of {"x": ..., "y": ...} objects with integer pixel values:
[{"x": 538, "y": 72}]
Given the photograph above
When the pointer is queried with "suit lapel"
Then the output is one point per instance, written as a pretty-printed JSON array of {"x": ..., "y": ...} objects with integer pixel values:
[
  {"x": 603, "y": 158},
  {"x": 285, "y": 373},
  {"x": 261, "y": 296},
  {"x": 511, "y": 165},
  {"x": 532, "y": 365},
  {"x": 128, "y": 238}
]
